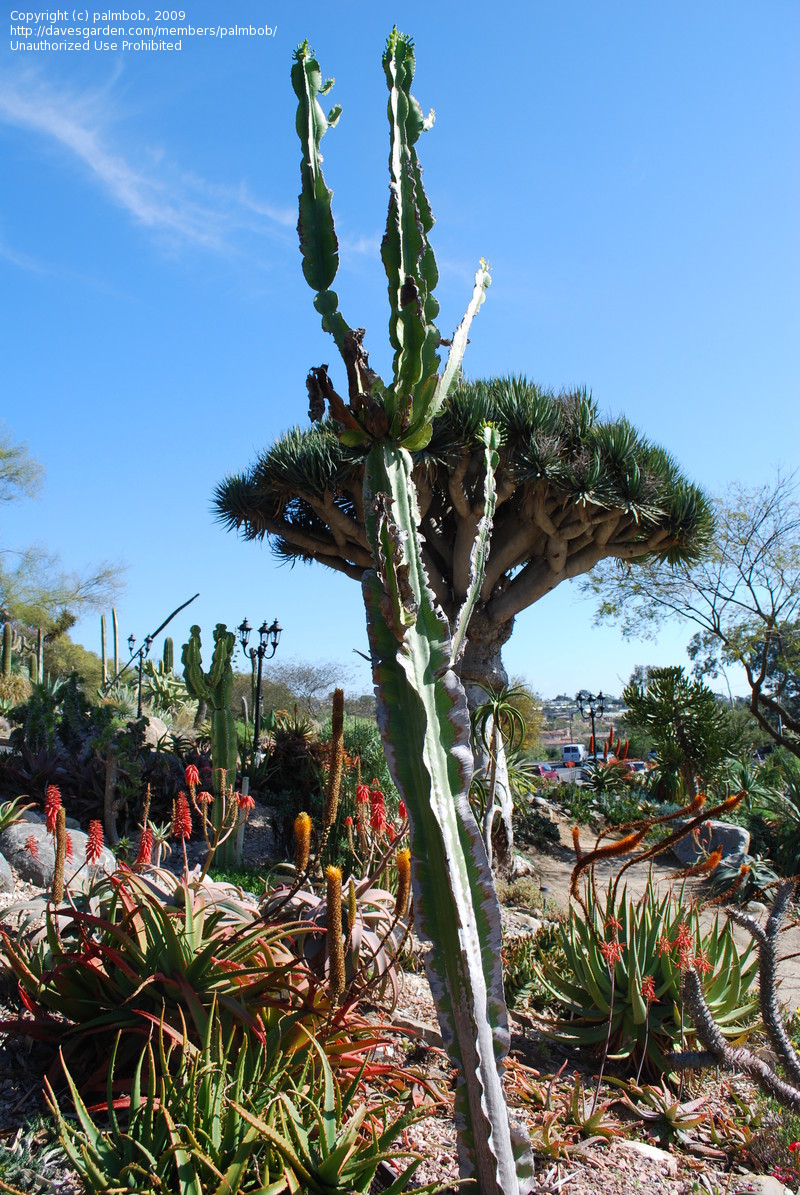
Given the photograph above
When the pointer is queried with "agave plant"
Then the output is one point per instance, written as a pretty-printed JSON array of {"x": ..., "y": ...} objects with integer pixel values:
[
  {"x": 233, "y": 1118},
  {"x": 742, "y": 878},
  {"x": 629, "y": 995}
]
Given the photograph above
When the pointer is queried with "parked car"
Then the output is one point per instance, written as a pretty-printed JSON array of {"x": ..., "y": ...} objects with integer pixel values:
[
  {"x": 636, "y": 765},
  {"x": 544, "y": 771}
]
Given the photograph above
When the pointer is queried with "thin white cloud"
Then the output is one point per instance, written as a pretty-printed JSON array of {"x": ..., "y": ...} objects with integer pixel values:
[
  {"x": 21, "y": 260},
  {"x": 155, "y": 193}
]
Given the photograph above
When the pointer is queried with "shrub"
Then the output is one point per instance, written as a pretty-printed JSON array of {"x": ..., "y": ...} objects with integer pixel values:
[{"x": 653, "y": 936}]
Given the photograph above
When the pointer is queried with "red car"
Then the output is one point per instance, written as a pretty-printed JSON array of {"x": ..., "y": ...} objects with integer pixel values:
[{"x": 544, "y": 771}]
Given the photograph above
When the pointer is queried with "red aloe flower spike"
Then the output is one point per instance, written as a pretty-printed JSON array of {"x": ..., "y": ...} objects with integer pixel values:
[
  {"x": 362, "y": 794},
  {"x": 402, "y": 812},
  {"x": 191, "y": 776},
  {"x": 613, "y": 925},
  {"x": 70, "y": 852},
  {"x": 378, "y": 817},
  {"x": 181, "y": 818},
  {"x": 683, "y": 938},
  {"x": 611, "y": 952},
  {"x": 648, "y": 989},
  {"x": 145, "y": 853},
  {"x": 52, "y": 804},
  {"x": 205, "y": 798},
  {"x": 94, "y": 845},
  {"x": 664, "y": 945},
  {"x": 702, "y": 964},
  {"x": 245, "y": 802},
  {"x": 32, "y": 846}
]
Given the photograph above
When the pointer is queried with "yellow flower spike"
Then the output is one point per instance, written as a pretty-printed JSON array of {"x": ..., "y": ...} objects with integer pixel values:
[
  {"x": 333, "y": 903},
  {"x": 61, "y": 855},
  {"x": 302, "y": 842},
  {"x": 337, "y": 760},
  {"x": 403, "y": 861}
]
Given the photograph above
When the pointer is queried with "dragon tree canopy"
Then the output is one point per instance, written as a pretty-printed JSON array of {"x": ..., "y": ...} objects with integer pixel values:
[{"x": 573, "y": 489}]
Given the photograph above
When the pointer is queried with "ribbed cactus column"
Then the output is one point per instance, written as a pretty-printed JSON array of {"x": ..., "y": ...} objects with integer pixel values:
[
  {"x": 422, "y": 707},
  {"x": 215, "y": 687}
]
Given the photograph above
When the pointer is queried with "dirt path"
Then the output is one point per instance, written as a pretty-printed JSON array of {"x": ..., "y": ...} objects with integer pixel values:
[{"x": 554, "y": 871}]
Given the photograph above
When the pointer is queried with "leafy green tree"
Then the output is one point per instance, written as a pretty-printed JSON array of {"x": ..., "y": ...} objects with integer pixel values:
[
  {"x": 689, "y": 726},
  {"x": 743, "y": 596},
  {"x": 35, "y": 590},
  {"x": 572, "y": 490}
]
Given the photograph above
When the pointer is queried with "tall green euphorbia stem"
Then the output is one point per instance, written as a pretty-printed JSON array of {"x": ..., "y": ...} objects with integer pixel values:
[{"x": 422, "y": 711}]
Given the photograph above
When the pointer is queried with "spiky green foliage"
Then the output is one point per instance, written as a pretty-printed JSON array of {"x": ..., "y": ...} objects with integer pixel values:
[
  {"x": 649, "y": 933},
  {"x": 692, "y": 730},
  {"x": 236, "y": 1120}
]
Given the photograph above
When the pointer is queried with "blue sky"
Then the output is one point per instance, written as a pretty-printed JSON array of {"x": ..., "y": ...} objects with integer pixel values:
[{"x": 630, "y": 170}]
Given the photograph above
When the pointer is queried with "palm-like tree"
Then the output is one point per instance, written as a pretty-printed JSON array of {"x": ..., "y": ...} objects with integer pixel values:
[{"x": 572, "y": 489}]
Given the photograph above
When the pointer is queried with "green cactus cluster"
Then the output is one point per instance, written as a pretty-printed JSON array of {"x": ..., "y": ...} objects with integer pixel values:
[{"x": 215, "y": 687}]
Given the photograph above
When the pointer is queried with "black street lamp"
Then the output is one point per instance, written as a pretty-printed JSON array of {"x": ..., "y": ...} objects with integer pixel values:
[
  {"x": 591, "y": 705},
  {"x": 268, "y": 637},
  {"x": 143, "y": 651}
]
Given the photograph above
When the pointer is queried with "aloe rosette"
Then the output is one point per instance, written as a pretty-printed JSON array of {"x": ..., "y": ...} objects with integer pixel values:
[
  {"x": 422, "y": 707},
  {"x": 649, "y": 933}
]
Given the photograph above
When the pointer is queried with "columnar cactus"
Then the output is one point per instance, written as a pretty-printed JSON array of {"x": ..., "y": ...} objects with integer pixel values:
[
  {"x": 422, "y": 706},
  {"x": 169, "y": 655},
  {"x": 215, "y": 687},
  {"x": 103, "y": 653},
  {"x": 7, "y": 639}
]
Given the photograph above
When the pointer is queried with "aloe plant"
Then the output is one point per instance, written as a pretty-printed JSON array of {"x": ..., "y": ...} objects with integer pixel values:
[{"x": 422, "y": 707}]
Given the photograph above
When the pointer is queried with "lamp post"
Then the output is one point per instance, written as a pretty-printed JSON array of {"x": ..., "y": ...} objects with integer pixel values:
[
  {"x": 143, "y": 651},
  {"x": 591, "y": 705},
  {"x": 268, "y": 637}
]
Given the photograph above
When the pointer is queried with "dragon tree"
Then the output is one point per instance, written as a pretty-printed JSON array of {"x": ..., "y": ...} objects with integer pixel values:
[{"x": 573, "y": 489}]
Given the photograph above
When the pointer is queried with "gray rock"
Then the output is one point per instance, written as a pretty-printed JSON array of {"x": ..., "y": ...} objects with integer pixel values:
[
  {"x": 37, "y": 866},
  {"x": 652, "y": 1153},
  {"x": 516, "y": 920},
  {"x": 522, "y": 867},
  {"x": 155, "y": 730},
  {"x": 761, "y": 1184},
  {"x": 734, "y": 840},
  {"x": 6, "y": 876},
  {"x": 37, "y": 818}
]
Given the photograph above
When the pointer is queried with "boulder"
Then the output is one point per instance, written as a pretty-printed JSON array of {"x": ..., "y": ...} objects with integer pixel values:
[
  {"x": 734, "y": 840},
  {"x": 28, "y": 847},
  {"x": 154, "y": 731},
  {"x": 761, "y": 1184},
  {"x": 33, "y": 815},
  {"x": 6, "y": 876}
]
